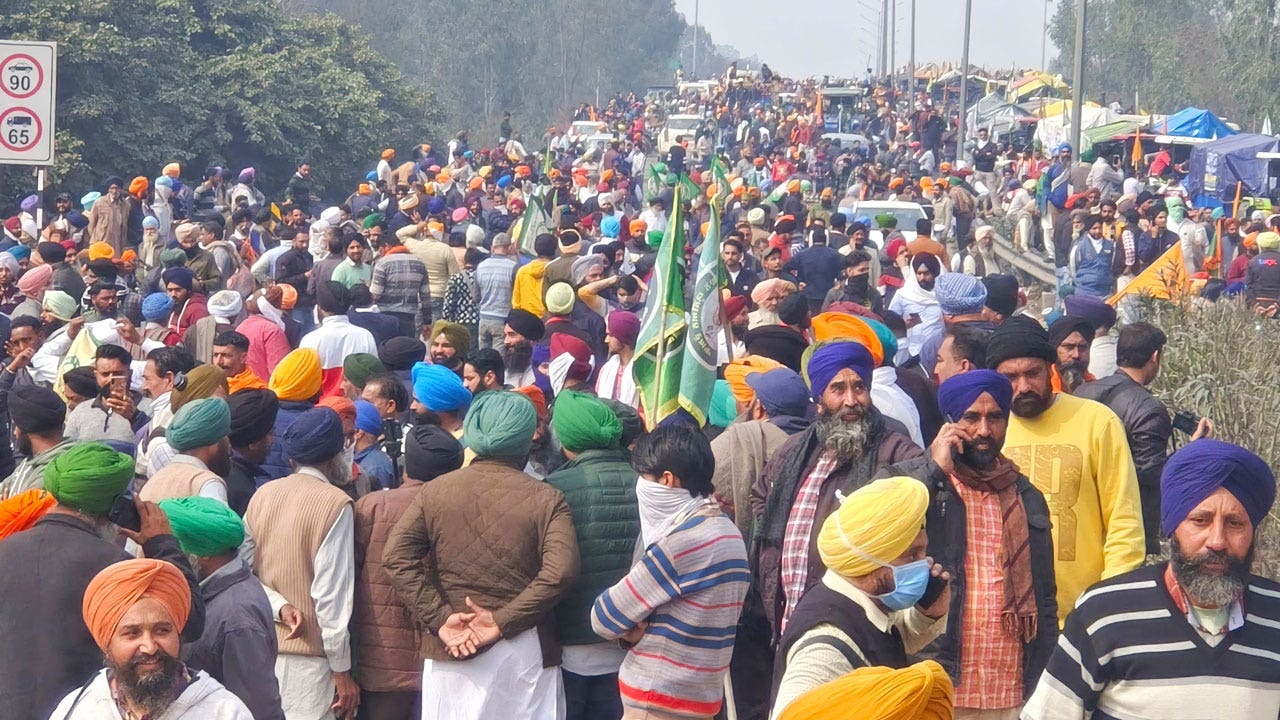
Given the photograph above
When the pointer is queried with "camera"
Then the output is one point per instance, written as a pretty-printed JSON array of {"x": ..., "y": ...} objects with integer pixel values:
[{"x": 1186, "y": 421}]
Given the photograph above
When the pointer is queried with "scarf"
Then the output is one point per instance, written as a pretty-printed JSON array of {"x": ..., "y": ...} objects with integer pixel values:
[
  {"x": 270, "y": 312},
  {"x": 1019, "y": 615},
  {"x": 663, "y": 509}
]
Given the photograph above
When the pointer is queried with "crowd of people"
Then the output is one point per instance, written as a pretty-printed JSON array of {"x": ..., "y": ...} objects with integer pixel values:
[{"x": 389, "y": 459}]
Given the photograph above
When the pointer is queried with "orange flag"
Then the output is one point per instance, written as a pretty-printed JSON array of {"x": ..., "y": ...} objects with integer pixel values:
[
  {"x": 1136, "y": 158},
  {"x": 1164, "y": 279}
]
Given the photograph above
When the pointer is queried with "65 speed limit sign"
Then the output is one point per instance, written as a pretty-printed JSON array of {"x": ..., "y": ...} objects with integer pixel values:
[{"x": 28, "y": 74}]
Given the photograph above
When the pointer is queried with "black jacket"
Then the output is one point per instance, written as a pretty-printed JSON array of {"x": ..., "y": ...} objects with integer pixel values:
[
  {"x": 1148, "y": 428},
  {"x": 744, "y": 283},
  {"x": 48, "y": 651},
  {"x": 945, "y": 523}
]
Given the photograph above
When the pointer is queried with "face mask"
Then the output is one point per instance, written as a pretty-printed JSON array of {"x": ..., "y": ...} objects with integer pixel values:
[
  {"x": 662, "y": 508},
  {"x": 909, "y": 580},
  {"x": 858, "y": 282}
]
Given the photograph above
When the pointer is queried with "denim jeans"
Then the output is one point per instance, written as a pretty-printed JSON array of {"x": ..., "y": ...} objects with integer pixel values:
[{"x": 591, "y": 697}]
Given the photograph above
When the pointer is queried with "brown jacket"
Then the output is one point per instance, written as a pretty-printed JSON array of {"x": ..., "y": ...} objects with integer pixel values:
[
  {"x": 382, "y": 628},
  {"x": 491, "y": 533}
]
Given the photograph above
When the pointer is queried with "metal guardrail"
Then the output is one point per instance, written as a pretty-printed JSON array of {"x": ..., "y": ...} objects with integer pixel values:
[{"x": 1032, "y": 265}]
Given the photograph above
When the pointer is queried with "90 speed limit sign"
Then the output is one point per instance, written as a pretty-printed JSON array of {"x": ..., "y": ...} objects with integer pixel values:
[{"x": 28, "y": 74}]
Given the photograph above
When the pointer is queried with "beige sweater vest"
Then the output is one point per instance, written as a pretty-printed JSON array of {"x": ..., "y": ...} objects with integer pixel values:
[
  {"x": 177, "y": 480},
  {"x": 288, "y": 519}
]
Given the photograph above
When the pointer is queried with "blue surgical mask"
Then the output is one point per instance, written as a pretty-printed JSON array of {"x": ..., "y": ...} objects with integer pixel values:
[{"x": 909, "y": 583}]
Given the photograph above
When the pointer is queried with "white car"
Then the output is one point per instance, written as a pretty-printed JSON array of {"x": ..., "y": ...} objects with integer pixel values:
[
  {"x": 676, "y": 127},
  {"x": 583, "y": 128},
  {"x": 907, "y": 213}
]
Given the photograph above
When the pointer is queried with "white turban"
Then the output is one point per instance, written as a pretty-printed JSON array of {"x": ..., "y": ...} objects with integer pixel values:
[{"x": 225, "y": 304}]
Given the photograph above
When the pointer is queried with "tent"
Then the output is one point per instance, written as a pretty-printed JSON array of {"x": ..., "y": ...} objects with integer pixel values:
[
  {"x": 1055, "y": 129},
  {"x": 1193, "y": 122},
  {"x": 1103, "y": 133},
  {"x": 1037, "y": 83},
  {"x": 995, "y": 113},
  {"x": 1215, "y": 168}
]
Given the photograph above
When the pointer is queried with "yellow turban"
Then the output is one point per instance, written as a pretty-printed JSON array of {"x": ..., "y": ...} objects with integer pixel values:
[
  {"x": 737, "y": 371},
  {"x": 919, "y": 692},
  {"x": 843, "y": 326},
  {"x": 879, "y": 520},
  {"x": 1268, "y": 241},
  {"x": 298, "y": 377},
  {"x": 101, "y": 251}
]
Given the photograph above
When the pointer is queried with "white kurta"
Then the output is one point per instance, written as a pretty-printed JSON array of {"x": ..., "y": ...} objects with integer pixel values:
[
  {"x": 507, "y": 681},
  {"x": 615, "y": 382}
]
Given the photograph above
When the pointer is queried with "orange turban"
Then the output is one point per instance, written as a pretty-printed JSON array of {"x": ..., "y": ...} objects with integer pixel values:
[
  {"x": 288, "y": 296},
  {"x": 945, "y": 167},
  {"x": 637, "y": 228},
  {"x": 298, "y": 377},
  {"x": 101, "y": 251},
  {"x": 388, "y": 154},
  {"x": 843, "y": 326},
  {"x": 476, "y": 183},
  {"x": 343, "y": 406},
  {"x": 129, "y": 255},
  {"x": 21, "y": 511},
  {"x": 793, "y": 186},
  {"x": 173, "y": 170},
  {"x": 737, "y": 371},
  {"x": 896, "y": 183},
  {"x": 919, "y": 692},
  {"x": 442, "y": 176},
  {"x": 138, "y": 186},
  {"x": 119, "y": 587},
  {"x": 1251, "y": 241},
  {"x": 539, "y": 399}
]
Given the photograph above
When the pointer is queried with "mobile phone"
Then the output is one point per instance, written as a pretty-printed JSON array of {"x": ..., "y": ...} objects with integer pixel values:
[
  {"x": 1186, "y": 421},
  {"x": 933, "y": 590},
  {"x": 124, "y": 513}
]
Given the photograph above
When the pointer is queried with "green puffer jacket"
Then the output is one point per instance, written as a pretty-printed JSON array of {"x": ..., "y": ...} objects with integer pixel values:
[{"x": 600, "y": 486}]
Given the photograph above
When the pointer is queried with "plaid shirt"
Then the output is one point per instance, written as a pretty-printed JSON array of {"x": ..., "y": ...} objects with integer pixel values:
[
  {"x": 991, "y": 661},
  {"x": 400, "y": 283},
  {"x": 799, "y": 530}
]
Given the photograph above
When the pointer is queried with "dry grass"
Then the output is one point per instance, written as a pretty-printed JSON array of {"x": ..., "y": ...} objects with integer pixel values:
[{"x": 1223, "y": 364}]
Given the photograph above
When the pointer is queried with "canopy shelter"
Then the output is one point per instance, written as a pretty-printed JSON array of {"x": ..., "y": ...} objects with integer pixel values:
[
  {"x": 1192, "y": 122},
  {"x": 1217, "y": 167},
  {"x": 1117, "y": 131},
  {"x": 994, "y": 112},
  {"x": 1037, "y": 84}
]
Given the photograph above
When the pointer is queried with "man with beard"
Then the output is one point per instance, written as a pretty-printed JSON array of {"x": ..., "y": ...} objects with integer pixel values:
[
  {"x": 439, "y": 398},
  {"x": 198, "y": 432},
  {"x": 856, "y": 286},
  {"x": 1070, "y": 337},
  {"x": 303, "y": 527},
  {"x": 201, "y": 263},
  {"x": 103, "y": 302},
  {"x": 449, "y": 344},
  {"x": 483, "y": 370},
  {"x": 1173, "y": 640},
  {"x": 916, "y": 302},
  {"x": 238, "y": 647},
  {"x": 37, "y": 415},
  {"x": 990, "y": 526},
  {"x": 1075, "y": 452},
  {"x": 843, "y": 449},
  {"x": 188, "y": 305},
  {"x": 135, "y": 610},
  {"x": 48, "y": 567},
  {"x": 521, "y": 331}
]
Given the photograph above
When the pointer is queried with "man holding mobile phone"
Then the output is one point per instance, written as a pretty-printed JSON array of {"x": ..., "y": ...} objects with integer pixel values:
[
  {"x": 114, "y": 414},
  {"x": 990, "y": 526}
]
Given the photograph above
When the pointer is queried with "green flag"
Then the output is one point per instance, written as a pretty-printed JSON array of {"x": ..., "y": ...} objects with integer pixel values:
[
  {"x": 660, "y": 347},
  {"x": 533, "y": 223},
  {"x": 706, "y": 321},
  {"x": 721, "y": 180}
]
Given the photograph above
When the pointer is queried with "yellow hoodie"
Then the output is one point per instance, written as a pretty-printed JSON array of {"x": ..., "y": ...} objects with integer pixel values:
[{"x": 526, "y": 294}]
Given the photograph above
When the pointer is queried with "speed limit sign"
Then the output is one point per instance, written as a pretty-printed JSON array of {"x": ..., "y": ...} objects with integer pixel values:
[{"x": 28, "y": 75}]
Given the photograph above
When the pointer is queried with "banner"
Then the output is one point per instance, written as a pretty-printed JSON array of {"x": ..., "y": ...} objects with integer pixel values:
[{"x": 660, "y": 346}]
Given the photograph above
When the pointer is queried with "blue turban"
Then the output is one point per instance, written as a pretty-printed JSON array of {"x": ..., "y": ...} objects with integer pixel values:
[
  {"x": 435, "y": 206},
  {"x": 29, "y": 204},
  {"x": 960, "y": 294},
  {"x": 439, "y": 389},
  {"x": 314, "y": 436},
  {"x": 199, "y": 423},
  {"x": 610, "y": 227},
  {"x": 181, "y": 276},
  {"x": 368, "y": 419},
  {"x": 151, "y": 221},
  {"x": 888, "y": 341},
  {"x": 957, "y": 393},
  {"x": 156, "y": 306},
  {"x": 166, "y": 181},
  {"x": 77, "y": 218},
  {"x": 21, "y": 252},
  {"x": 504, "y": 182},
  {"x": 371, "y": 176},
  {"x": 828, "y": 359},
  {"x": 1199, "y": 468}
]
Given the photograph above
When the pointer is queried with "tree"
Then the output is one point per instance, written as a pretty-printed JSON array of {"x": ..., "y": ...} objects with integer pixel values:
[{"x": 206, "y": 82}]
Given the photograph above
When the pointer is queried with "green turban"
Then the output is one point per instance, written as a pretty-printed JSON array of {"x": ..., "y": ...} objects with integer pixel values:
[
  {"x": 204, "y": 527},
  {"x": 885, "y": 220},
  {"x": 371, "y": 220},
  {"x": 500, "y": 424},
  {"x": 173, "y": 258},
  {"x": 653, "y": 238},
  {"x": 88, "y": 476},
  {"x": 199, "y": 423},
  {"x": 359, "y": 367},
  {"x": 724, "y": 406},
  {"x": 582, "y": 422}
]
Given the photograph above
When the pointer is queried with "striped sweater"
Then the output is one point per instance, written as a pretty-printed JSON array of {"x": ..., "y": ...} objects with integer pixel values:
[
  {"x": 1127, "y": 651},
  {"x": 689, "y": 587}
]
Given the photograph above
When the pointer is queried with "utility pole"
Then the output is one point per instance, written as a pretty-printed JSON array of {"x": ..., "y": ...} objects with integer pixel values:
[
  {"x": 1044, "y": 39},
  {"x": 964, "y": 82},
  {"x": 884, "y": 40},
  {"x": 1077, "y": 79},
  {"x": 911, "y": 67},
  {"x": 893, "y": 46},
  {"x": 695, "y": 40}
]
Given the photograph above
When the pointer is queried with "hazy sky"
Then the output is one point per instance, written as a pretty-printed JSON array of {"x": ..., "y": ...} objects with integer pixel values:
[{"x": 836, "y": 37}]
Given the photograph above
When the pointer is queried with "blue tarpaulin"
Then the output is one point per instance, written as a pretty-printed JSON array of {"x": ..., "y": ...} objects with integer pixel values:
[
  {"x": 1193, "y": 122},
  {"x": 1215, "y": 168}
]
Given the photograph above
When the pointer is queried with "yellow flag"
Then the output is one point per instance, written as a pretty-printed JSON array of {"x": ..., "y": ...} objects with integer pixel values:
[{"x": 1164, "y": 279}]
